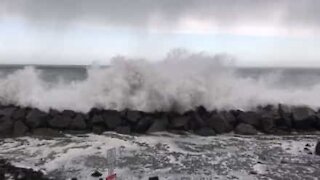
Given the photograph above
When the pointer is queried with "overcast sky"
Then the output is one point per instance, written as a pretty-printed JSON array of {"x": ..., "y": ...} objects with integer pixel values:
[{"x": 256, "y": 32}]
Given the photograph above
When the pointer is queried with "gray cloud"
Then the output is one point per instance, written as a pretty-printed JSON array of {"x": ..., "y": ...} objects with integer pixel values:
[{"x": 139, "y": 13}]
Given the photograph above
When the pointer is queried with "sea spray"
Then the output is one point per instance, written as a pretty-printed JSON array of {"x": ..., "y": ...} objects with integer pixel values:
[{"x": 179, "y": 82}]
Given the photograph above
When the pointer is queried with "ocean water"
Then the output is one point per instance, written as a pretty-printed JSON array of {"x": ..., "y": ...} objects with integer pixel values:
[{"x": 166, "y": 85}]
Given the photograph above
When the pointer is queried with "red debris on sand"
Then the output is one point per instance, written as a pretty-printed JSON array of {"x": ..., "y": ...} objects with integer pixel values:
[{"x": 111, "y": 177}]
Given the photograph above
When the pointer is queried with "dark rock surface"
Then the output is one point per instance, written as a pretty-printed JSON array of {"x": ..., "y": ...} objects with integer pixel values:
[
  {"x": 20, "y": 129},
  {"x": 8, "y": 171},
  {"x": 281, "y": 119},
  {"x": 205, "y": 132},
  {"x": 36, "y": 118},
  {"x": 245, "y": 129}
]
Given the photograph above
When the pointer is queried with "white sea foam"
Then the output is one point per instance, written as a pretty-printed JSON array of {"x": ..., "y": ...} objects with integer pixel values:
[{"x": 179, "y": 82}]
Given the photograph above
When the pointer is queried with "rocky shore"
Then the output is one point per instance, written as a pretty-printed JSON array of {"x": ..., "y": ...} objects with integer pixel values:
[
  {"x": 8, "y": 171},
  {"x": 281, "y": 119}
]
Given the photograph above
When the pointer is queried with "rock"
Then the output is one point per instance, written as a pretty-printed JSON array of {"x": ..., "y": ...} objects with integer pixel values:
[
  {"x": 205, "y": 131},
  {"x": 245, "y": 129},
  {"x": 195, "y": 122},
  {"x": 268, "y": 119},
  {"x": 19, "y": 114},
  {"x": 6, "y": 126},
  {"x": 46, "y": 132},
  {"x": 219, "y": 123},
  {"x": 96, "y": 174},
  {"x": 98, "y": 129},
  {"x": 123, "y": 130},
  {"x": 112, "y": 119},
  {"x": 179, "y": 122},
  {"x": 159, "y": 125},
  {"x": 20, "y": 129},
  {"x": 251, "y": 118},
  {"x": 68, "y": 113},
  {"x": 285, "y": 119},
  {"x": 36, "y": 118},
  {"x": 317, "y": 149},
  {"x": 97, "y": 120},
  {"x": 202, "y": 112},
  {"x": 133, "y": 116},
  {"x": 78, "y": 123},
  {"x": 60, "y": 122},
  {"x": 303, "y": 117},
  {"x": 7, "y": 111},
  {"x": 154, "y": 178},
  {"x": 53, "y": 113},
  {"x": 143, "y": 125},
  {"x": 8, "y": 171}
]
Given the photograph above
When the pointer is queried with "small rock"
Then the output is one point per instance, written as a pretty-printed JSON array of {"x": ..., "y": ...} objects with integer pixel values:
[
  {"x": 154, "y": 178},
  {"x": 96, "y": 174},
  {"x": 308, "y": 145}
]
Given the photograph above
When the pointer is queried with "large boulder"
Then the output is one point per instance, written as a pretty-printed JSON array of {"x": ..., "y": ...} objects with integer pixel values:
[
  {"x": 221, "y": 122},
  {"x": 36, "y": 118},
  {"x": 78, "y": 123},
  {"x": 251, "y": 118},
  {"x": 245, "y": 129},
  {"x": 268, "y": 118},
  {"x": 205, "y": 131},
  {"x": 68, "y": 113},
  {"x": 112, "y": 119},
  {"x": 143, "y": 125},
  {"x": 7, "y": 111},
  {"x": 6, "y": 126},
  {"x": 285, "y": 120},
  {"x": 60, "y": 122},
  {"x": 196, "y": 121},
  {"x": 158, "y": 125},
  {"x": 20, "y": 129},
  {"x": 179, "y": 122},
  {"x": 20, "y": 114},
  {"x": 97, "y": 120},
  {"x": 303, "y": 117},
  {"x": 133, "y": 116}
]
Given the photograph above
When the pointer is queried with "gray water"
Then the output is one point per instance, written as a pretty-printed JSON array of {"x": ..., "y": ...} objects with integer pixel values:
[{"x": 286, "y": 77}]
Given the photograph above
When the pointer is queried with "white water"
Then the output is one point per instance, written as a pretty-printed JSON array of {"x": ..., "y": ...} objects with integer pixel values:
[{"x": 181, "y": 81}]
